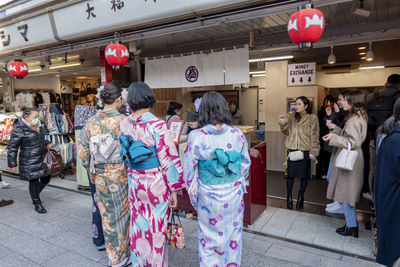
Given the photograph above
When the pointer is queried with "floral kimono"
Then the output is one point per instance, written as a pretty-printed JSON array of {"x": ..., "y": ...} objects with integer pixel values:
[
  {"x": 154, "y": 170},
  {"x": 100, "y": 154},
  {"x": 216, "y": 162}
]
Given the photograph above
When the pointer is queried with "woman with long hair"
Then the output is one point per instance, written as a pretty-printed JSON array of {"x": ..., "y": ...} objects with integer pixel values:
[
  {"x": 28, "y": 137},
  {"x": 216, "y": 162},
  {"x": 345, "y": 185},
  {"x": 302, "y": 142},
  {"x": 100, "y": 154},
  {"x": 387, "y": 191},
  {"x": 173, "y": 112},
  {"x": 154, "y": 175}
]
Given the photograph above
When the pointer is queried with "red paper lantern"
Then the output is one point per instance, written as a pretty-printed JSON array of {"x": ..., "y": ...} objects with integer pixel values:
[
  {"x": 116, "y": 55},
  {"x": 18, "y": 69},
  {"x": 306, "y": 27}
]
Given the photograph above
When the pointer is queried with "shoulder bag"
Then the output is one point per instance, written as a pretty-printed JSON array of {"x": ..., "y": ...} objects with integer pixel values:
[{"x": 346, "y": 158}]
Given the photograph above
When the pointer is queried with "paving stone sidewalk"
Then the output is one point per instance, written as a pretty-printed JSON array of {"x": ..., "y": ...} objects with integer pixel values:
[{"x": 62, "y": 237}]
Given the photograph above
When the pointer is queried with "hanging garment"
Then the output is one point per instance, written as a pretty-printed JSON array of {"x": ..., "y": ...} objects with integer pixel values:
[
  {"x": 81, "y": 172},
  {"x": 82, "y": 115},
  {"x": 150, "y": 184},
  {"x": 46, "y": 98},
  {"x": 38, "y": 100}
]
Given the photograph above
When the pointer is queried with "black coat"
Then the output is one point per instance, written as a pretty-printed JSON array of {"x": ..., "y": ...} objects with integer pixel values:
[
  {"x": 387, "y": 198},
  {"x": 32, "y": 146}
]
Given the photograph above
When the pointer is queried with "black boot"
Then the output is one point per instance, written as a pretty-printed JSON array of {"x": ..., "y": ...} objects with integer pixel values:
[
  {"x": 34, "y": 189},
  {"x": 349, "y": 231},
  {"x": 341, "y": 229},
  {"x": 39, "y": 207},
  {"x": 300, "y": 201},
  {"x": 289, "y": 187}
]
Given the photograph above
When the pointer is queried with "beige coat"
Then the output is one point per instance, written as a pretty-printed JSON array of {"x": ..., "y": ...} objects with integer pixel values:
[
  {"x": 345, "y": 186},
  {"x": 302, "y": 135}
]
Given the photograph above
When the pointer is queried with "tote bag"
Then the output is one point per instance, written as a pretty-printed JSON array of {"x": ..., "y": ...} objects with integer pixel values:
[{"x": 346, "y": 158}]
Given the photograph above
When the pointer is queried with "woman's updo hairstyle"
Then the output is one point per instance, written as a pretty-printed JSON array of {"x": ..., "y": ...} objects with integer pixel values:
[{"x": 110, "y": 93}]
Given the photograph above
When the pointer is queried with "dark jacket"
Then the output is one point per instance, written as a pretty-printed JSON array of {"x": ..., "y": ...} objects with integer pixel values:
[
  {"x": 387, "y": 198},
  {"x": 237, "y": 118},
  {"x": 32, "y": 146}
]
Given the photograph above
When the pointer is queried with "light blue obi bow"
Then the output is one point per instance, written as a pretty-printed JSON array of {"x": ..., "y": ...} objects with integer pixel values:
[
  {"x": 223, "y": 167},
  {"x": 139, "y": 156}
]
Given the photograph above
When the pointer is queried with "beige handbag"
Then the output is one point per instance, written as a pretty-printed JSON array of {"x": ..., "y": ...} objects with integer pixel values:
[
  {"x": 296, "y": 155},
  {"x": 346, "y": 158}
]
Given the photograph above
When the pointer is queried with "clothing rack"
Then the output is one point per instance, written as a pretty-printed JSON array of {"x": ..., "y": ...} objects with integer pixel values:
[{"x": 32, "y": 90}]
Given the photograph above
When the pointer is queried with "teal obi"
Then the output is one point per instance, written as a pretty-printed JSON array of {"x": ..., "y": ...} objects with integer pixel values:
[
  {"x": 139, "y": 156},
  {"x": 223, "y": 167}
]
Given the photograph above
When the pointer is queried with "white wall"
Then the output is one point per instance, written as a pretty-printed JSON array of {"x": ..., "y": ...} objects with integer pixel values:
[
  {"x": 358, "y": 78},
  {"x": 39, "y": 82}
]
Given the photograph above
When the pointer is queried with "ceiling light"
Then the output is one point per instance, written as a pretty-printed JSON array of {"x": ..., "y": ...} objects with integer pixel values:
[
  {"x": 372, "y": 67},
  {"x": 331, "y": 58},
  {"x": 65, "y": 65},
  {"x": 362, "y": 48},
  {"x": 34, "y": 69},
  {"x": 363, "y": 58},
  {"x": 370, "y": 54},
  {"x": 258, "y": 75},
  {"x": 271, "y": 58},
  {"x": 257, "y": 72},
  {"x": 362, "y": 54},
  {"x": 360, "y": 10}
]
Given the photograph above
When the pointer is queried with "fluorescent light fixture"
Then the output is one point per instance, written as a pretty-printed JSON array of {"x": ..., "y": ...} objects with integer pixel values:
[
  {"x": 52, "y": 67},
  {"x": 364, "y": 58},
  {"x": 258, "y": 75},
  {"x": 362, "y": 48},
  {"x": 362, "y": 54},
  {"x": 257, "y": 72},
  {"x": 372, "y": 67},
  {"x": 271, "y": 58},
  {"x": 34, "y": 69}
]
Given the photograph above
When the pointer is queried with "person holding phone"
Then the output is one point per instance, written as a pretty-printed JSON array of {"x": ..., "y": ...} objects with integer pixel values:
[{"x": 302, "y": 142}]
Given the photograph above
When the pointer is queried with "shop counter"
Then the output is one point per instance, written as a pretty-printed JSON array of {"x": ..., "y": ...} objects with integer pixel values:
[{"x": 256, "y": 198}]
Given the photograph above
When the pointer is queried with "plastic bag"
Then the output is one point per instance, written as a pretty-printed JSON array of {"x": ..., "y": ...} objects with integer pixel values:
[{"x": 53, "y": 162}]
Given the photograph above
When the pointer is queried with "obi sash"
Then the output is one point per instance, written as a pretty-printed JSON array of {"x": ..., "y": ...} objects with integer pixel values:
[
  {"x": 139, "y": 156},
  {"x": 223, "y": 167}
]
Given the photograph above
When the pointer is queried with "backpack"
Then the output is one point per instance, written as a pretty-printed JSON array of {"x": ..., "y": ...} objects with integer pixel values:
[{"x": 380, "y": 108}]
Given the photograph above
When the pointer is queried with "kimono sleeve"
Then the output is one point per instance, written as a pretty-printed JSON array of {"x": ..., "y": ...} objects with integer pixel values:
[
  {"x": 190, "y": 162},
  {"x": 246, "y": 161},
  {"x": 83, "y": 146},
  {"x": 168, "y": 157}
]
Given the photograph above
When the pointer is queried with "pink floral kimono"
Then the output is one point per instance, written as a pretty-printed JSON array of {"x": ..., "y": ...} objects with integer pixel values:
[{"x": 150, "y": 184}]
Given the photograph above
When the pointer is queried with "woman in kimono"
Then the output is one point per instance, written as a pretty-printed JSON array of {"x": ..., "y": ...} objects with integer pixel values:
[
  {"x": 100, "y": 154},
  {"x": 154, "y": 175},
  {"x": 216, "y": 162},
  {"x": 387, "y": 191}
]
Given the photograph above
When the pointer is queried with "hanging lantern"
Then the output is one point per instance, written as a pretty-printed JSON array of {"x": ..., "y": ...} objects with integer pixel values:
[
  {"x": 306, "y": 26},
  {"x": 17, "y": 69},
  {"x": 116, "y": 55}
]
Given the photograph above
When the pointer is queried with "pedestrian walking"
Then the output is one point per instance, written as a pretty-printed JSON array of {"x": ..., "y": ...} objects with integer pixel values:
[
  {"x": 28, "y": 137},
  {"x": 302, "y": 142},
  {"x": 345, "y": 185},
  {"x": 387, "y": 191},
  {"x": 154, "y": 175},
  {"x": 216, "y": 162},
  {"x": 100, "y": 154}
]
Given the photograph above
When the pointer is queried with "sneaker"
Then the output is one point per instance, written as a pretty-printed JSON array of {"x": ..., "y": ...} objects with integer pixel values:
[
  {"x": 332, "y": 204},
  {"x": 101, "y": 248},
  {"x": 324, "y": 177},
  {"x": 336, "y": 208},
  {"x": 367, "y": 196},
  {"x": 4, "y": 184}
]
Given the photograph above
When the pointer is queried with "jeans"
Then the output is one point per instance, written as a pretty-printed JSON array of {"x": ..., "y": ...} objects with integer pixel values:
[
  {"x": 328, "y": 176},
  {"x": 350, "y": 215}
]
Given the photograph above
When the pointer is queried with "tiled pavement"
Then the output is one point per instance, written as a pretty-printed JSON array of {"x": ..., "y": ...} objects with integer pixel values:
[{"x": 62, "y": 236}]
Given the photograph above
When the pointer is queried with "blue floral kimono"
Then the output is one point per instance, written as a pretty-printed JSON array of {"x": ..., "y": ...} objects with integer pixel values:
[{"x": 216, "y": 162}]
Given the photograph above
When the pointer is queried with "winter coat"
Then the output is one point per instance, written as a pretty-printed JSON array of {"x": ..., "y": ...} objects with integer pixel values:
[
  {"x": 345, "y": 186},
  {"x": 237, "y": 118},
  {"x": 31, "y": 146},
  {"x": 387, "y": 198},
  {"x": 302, "y": 135}
]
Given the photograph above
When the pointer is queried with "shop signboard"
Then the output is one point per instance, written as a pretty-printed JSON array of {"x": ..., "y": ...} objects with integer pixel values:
[
  {"x": 301, "y": 74},
  {"x": 33, "y": 31}
]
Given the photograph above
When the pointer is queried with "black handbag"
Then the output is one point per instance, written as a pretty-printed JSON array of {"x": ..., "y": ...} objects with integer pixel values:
[{"x": 89, "y": 89}]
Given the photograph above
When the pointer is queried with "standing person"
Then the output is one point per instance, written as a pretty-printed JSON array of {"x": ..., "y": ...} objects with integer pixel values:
[
  {"x": 28, "y": 136},
  {"x": 100, "y": 154},
  {"x": 387, "y": 191},
  {"x": 344, "y": 185},
  {"x": 217, "y": 155},
  {"x": 154, "y": 175},
  {"x": 173, "y": 112},
  {"x": 325, "y": 151},
  {"x": 237, "y": 116},
  {"x": 3, "y": 184},
  {"x": 302, "y": 131}
]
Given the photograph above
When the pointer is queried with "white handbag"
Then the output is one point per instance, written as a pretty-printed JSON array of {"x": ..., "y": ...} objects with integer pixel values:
[
  {"x": 346, "y": 158},
  {"x": 296, "y": 155}
]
